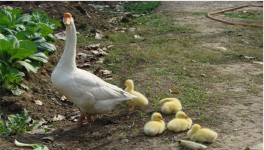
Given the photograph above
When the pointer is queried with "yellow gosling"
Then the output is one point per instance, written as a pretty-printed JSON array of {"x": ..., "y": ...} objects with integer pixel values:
[
  {"x": 170, "y": 105},
  {"x": 181, "y": 123},
  {"x": 140, "y": 100},
  {"x": 155, "y": 126},
  {"x": 201, "y": 134}
]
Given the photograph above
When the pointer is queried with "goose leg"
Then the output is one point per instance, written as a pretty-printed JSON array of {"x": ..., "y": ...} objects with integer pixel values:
[
  {"x": 89, "y": 117},
  {"x": 80, "y": 121},
  {"x": 133, "y": 108}
]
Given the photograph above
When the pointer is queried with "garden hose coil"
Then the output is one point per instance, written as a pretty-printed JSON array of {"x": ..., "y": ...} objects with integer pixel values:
[{"x": 209, "y": 15}]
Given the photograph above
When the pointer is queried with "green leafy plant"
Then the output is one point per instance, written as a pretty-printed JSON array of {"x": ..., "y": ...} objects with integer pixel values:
[
  {"x": 24, "y": 43},
  {"x": 11, "y": 79},
  {"x": 18, "y": 124}
]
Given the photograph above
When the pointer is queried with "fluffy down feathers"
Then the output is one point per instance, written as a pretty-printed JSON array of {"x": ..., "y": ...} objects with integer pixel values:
[
  {"x": 170, "y": 105},
  {"x": 155, "y": 126},
  {"x": 201, "y": 134},
  {"x": 181, "y": 123},
  {"x": 140, "y": 100}
]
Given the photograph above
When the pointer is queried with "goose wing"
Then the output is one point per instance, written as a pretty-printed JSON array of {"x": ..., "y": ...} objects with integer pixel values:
[{"x": 100, "y": 89}]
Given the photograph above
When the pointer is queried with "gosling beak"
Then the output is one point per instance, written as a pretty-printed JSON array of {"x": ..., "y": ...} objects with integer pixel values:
[
  {"x": 186, "y": 117},
  {"x": 162, "y": 119},
  {"x": 67, "y": 18}
]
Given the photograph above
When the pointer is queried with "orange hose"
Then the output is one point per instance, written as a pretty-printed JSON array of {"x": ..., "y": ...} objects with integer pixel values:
[{"x": 233, "y": 23}]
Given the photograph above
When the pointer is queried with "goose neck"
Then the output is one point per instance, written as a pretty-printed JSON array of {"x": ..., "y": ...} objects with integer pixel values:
[{"x": 69, "y": 54}]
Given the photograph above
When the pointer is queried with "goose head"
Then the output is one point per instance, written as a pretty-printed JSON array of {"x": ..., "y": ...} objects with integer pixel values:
[
  {"x": 156, "y": 117},
  {"x": 67, "y": 19},
  {"x": 181, "y": 114}
]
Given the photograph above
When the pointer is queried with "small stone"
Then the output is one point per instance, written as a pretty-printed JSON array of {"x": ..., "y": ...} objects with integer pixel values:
[
  {"x": 132, "y": 29},
  {"x": 38, "y": 102},
  {"x": 63, "y": 98},
  {"x": 82, "y": 55},
  {"x": 104, "y": 49},
  {"x": 125, "y": 140},
  {"x": 98, "y": 36},
  {"x": 100, "y": 61},
  {"x": 84, "y": 65},
  {"x": 95, "y": 52},
  {"x": 137, "y": 37},
  {"x": 93, "y": 46},
  {"x": 48, "y": 138},
  {"x": 60, "y": 35}
]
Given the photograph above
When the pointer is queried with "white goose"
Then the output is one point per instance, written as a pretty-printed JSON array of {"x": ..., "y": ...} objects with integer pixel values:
[{"x": 90, "y": 93}]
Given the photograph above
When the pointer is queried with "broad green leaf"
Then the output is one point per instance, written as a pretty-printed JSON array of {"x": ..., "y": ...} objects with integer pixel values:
[
  {"x": 31, "y": 26},
  {"x": 30, "y": 66},
  {"x": 4, "y": 20},
  {"x": 44, "y": 29},
  {"x": 26, "y": 48},
  {"x": 38, "y": 28},
  {"x": 18, "y": 54},
  {"x": 2, "y": 37},
  {"x": 40, "y": 17},
  {"x": 25, "y": 35},
  {"x": 19, "y": 27},
  {"x": 44, "y": 19},
  {"x": 7, "y": 31},
  {"x": 51, "y": 38},
  {"x": 42, "y": 47},
  {"x": 29, "y": 45},
  {"x": 13, "y": 41},
  {"x": 35, "y": 146},
  {"x": 7, "y": 14},
  {"x": 15, "y": 13},
  {"x": 37, "y": 15},
  {"x": 27, "y": 119},
  {"x": 4, "y": 45},
  {"x": 10, "y": 80},
  {"x": 17, "y": 91},
  {"x": 23, "y": 86},
  {"x": 38, "y": 40},
  {"x": 16, "y": 72},
  {"x": 12, "y": 118},
  {"x": 56, "y": 23},
  {"x": 23, "y": 18},
  {"x": 39, "y": 57}
]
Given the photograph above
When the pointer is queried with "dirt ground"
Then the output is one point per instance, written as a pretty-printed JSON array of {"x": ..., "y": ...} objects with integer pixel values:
[{"x": 241, "y": 119}]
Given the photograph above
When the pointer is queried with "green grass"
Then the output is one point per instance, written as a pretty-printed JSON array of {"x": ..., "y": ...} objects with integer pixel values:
[
  {"x": 141, "y": 6},
  {"x": 199, "y": 13},
  {"x": 250, "y": 14}
]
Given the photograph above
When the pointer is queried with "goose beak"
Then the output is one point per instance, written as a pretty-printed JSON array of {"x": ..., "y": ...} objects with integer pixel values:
[{"x": 67, "y": 18}]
